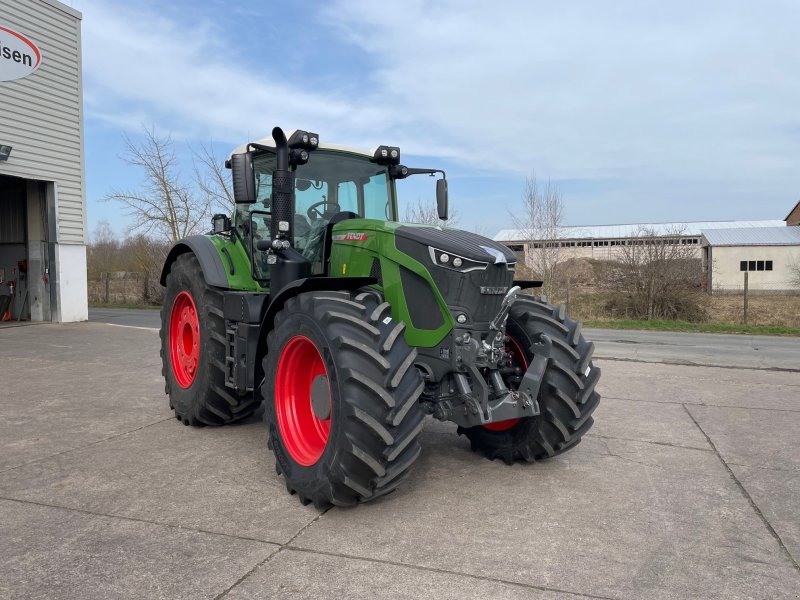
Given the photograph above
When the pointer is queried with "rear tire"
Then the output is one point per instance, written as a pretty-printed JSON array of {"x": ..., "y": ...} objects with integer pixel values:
[
  {"x": 193, "y": 350},
  {"x": 359, "y": 439},
  {"x": 567, "y": 397}
]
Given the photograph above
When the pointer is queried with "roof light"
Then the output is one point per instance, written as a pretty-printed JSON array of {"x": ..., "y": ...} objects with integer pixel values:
[
  {"x": 387, "y": 155},
  {"x": 303, "y": 140}
]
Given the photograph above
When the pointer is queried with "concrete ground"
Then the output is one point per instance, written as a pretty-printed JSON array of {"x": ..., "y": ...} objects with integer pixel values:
[{"x": 687, "y": 487}]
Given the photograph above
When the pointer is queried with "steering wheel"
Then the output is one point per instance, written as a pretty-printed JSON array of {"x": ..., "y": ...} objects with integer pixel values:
[{"x": 313, "y": 211}]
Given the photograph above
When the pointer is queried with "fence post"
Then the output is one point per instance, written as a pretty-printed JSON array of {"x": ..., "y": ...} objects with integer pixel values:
[
  {"x": 105, "y": 275},
  {"x": 745, "y": 298}
]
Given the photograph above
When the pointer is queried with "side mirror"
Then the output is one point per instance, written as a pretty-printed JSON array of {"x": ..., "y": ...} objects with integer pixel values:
[
  {"x": 244, "y": 179},
  {"x": 441, "y": 198}
]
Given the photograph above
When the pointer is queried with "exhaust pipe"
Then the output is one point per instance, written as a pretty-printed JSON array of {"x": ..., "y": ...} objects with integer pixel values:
[
  {"x": 282, "y": 191},
  {"x": 286, "y": 264}
]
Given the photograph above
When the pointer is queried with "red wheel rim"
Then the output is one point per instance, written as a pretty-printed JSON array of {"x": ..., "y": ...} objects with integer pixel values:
[
  {"x": 184, "y": 339},
  {"x": 519, "y": 357},
  {"x": 304, "y": 434}
]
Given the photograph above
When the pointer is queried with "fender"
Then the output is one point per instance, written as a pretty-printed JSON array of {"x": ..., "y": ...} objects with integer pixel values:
[
  {"x": 309, "y": 284},
  {"x": 207, "y": 256}
]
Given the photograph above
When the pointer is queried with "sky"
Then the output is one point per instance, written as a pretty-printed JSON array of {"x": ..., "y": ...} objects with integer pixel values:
[{"x": 639, "y": 111}]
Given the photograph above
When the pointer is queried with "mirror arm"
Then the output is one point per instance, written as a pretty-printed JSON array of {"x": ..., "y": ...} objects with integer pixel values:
[{"x": 413, "y": 171}]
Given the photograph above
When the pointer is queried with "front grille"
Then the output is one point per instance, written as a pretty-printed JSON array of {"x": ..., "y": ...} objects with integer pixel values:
[{"x": 462, "y": 291}]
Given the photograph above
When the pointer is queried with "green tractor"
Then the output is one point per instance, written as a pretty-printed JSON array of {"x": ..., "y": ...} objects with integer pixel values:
[{"x": 350, "y": 326}]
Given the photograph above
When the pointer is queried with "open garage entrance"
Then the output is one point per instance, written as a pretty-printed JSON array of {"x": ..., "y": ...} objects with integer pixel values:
[{"x": 25, "y": 251}]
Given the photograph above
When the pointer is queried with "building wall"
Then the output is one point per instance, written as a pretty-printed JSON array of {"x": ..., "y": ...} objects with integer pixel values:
[
  {"x": 72, "y": 284},
  {"x": 726, "y": 273},
  {"x": 42, "y": 119},
  {"x": 597, "y": 249},
  {"x": 793, "y": 219}
]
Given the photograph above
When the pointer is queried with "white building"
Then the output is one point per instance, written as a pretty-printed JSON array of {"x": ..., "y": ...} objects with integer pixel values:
[
  {"x": 769, "y": 256},
  {"x": 768, "y": 251},
  {"x": 603, "y": 242},
  {"x": 42, "y": 188}
]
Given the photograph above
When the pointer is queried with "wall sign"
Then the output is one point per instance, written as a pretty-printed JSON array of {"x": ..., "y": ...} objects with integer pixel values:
[{"x": 19, "y": 56}]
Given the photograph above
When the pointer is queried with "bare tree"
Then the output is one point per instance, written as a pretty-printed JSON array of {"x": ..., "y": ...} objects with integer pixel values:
[
  {"x": 165, "y": 206},
  {"x": 656, "y": 276},
  {"x": 540, "y": 219},
  {"x": 426, "y": 213},
  {"x": 794, "y": 272},
  {"x": 212, "y": 180},
  {"x": 147, "y": 256},
  {"x": 103, "y": 253}
]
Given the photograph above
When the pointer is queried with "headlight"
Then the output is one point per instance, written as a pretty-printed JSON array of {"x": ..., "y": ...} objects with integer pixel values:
[{"x": 454, "y": 263}]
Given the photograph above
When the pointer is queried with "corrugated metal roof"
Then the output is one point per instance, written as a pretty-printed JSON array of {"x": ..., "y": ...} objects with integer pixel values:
[
  {"x": 753, "y": 236},
  {"x": 631, "y": 229}
]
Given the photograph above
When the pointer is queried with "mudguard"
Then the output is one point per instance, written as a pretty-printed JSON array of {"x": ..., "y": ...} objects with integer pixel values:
[
  {"x": 309, "y": 284},
  {"x": 207, "y": 255}
]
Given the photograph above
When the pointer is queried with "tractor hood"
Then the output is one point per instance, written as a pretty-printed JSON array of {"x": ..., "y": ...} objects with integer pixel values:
[{"x": 459, "y": 243}]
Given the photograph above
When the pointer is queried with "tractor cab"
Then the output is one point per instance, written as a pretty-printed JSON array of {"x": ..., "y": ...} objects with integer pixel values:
[{"x": 335, "y": 184}]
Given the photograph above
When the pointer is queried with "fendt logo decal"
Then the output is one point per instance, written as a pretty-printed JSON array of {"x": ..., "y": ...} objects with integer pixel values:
[
  {"x": 19, "y": 57},
  {"x": 351, "y": 237}
]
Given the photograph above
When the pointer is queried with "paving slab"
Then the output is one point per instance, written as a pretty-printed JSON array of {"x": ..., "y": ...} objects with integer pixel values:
[
  {"x": 762, "y": 448},
  {"x": 67, "y": 386},
  {"x": 300, "y": 575},
  {"x": 612, "y": 518},
  {"x": 777, "y": 495},
  {"x": 48, "y": 553},
  {"x": 712, "y": 386},
  {"x": 214, "y": 479},
  {"x": 753, "y": 438},
  {"x": 647, "y": 421}
]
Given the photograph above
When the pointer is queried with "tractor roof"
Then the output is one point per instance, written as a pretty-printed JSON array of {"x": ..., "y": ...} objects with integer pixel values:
[{"x": 268, "y": 141}]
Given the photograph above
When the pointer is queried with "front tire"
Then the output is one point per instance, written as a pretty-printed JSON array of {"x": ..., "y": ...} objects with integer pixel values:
[
  {"x": 341, "y": 398},
  {"x": 193, "y": 350},
  {"x": 567, "y": 396}
]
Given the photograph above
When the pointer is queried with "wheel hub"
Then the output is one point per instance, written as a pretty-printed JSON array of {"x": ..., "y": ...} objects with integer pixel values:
[
  {"x": 184, "y": 339},
  {"x": 303, "y": 400},
  {"x": 321, "y": 397}
]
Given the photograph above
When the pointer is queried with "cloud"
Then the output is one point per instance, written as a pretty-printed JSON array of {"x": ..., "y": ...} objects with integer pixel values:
[
  {"x": 627, "y": 100},
  {"x": 593, "y": 89},
  {"x": 187, "y": 77}
]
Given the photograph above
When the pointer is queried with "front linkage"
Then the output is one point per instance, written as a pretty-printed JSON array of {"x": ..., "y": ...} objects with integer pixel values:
[{"x": 481, "y": 366}]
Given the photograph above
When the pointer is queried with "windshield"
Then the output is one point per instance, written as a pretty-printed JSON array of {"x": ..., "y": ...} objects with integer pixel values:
[{"x": 331, "y": 182}]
